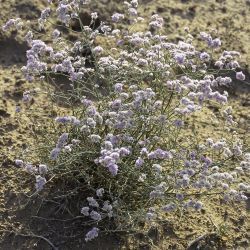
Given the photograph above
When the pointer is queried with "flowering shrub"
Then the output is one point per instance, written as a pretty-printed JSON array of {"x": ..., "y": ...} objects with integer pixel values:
[{"x": 126, "y": 143}]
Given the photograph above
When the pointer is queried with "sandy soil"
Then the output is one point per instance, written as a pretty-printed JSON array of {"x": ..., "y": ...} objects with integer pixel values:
[{"x": 223, "y": 227}]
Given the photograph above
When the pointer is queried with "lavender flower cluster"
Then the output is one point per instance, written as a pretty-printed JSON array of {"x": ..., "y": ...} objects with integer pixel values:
[
  {"x": 39, "y": 172},
  {"x": 133, "y": 137}
]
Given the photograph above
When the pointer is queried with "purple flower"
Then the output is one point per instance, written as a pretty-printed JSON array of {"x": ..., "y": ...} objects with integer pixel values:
[
  {"x": 19, "y": 163},
  {"x": 179, "y": 196},
  {"x": 99, "y": 192},
  {"x": 91, "y": 110},
  {"x": 40, "y": 182},
  {"x": 11, "y": 23},
  {"x": 189, "y": 204},
  {"x": 193, "y": 155},
  {"x": 206, "y": 37},
  {"x": 45, "y": 13},
  {"x": 216, "y": 43},
  {"x": 43, "y": 169},
  {"x": 85, "y": 211},
  {"x": 144, "y": 150},
  {"x": 124, "y": 151},
  {"x": 117, "y": 17},
  {"x": 62, "y": 13},
  {"x": 65, "y": 119},
  {"x": 93, "y": 233},
  {"x": 113, "y": 169},
  {"x": 159, "y": 154},
  {"x": 108, "y": 145},
  {"x": 115, "y": 156},
  {"x": 204, "y": 56},
  {"x": 197, "y": 205},
  {"x": 116, "y": 104},
  {"x": 92, "y": 202},
  {"x": 240, "y": 76},
  {"x": 242, "y": 186},
  {"x": 142, "y": 62},
  {"x": 219, "y": 64},
  {"x": 178, "y": 123},
  {"x": 95, "y": 216},
  {"x": 98, "y": 50},
  {"x": 118, "y": 87},
  {"x": 243, "y": 197},
  {"x": 86, "y": 102},
  {"x": 132, "y": 12},
  {"x": 139, "y": 162},
  {"x": 56, "y": 34},
  {"x": 62, "y": 140},
  {"x": 120, "y": 42},
  {"x": 156, "y": 22},
  {"x": 180, "y": 58},
  {"x": 207, "y": 160},
  {"x": 134, "y": 3},
  {"x": 107, "y": 206},
  {"x": 18, "y": 109},
  {"x": 30, "y": 168},
  {"x": 26, "y": 97},
  {"x": 54, "y": 153},
  {"x": 162, "y": 119}
]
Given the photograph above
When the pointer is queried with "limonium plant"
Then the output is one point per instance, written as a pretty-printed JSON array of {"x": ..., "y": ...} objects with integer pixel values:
[{"x": 125, "y": 146}]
